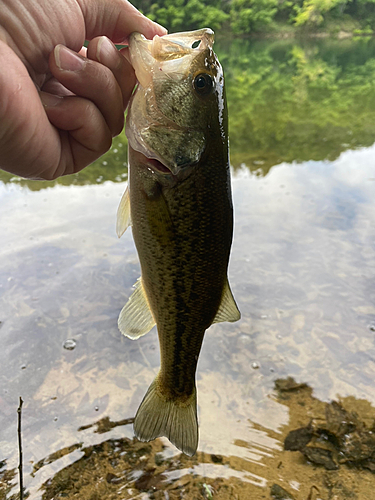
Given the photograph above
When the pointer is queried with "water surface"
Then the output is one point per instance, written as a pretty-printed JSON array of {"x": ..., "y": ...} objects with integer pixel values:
[{"x": 302, "y": 271}]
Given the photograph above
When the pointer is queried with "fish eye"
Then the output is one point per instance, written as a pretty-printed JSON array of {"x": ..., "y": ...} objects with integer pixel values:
[{"x": 203, "y": 84}]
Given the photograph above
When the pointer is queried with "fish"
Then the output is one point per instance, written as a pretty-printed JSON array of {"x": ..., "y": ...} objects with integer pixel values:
[{"x": 179, "y": 204}]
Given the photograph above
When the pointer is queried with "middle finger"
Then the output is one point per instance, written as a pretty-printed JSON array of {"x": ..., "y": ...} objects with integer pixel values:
[{"x": 91, "y": 80}]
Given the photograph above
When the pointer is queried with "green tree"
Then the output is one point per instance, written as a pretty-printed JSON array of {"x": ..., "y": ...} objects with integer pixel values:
[
  {"x": 312, "y": 11},
  {"x": 247, "y": 16},
  {"x": 181, "y": 15}
]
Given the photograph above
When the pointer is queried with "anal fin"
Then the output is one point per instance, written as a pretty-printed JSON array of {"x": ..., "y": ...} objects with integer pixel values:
[
  {"x": 228, "y": 310},
  {"x": 136, "y": 318}
]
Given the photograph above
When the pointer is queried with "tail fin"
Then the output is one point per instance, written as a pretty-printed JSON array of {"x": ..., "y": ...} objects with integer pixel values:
[{"x": 176, "y": 420}]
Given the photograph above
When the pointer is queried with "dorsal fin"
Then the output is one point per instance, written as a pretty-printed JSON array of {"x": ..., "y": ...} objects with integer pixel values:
[
  {"x": 228, "y": 310},
  {"x": 123, "y": 214},
  {"x": 136, "y": 318}
]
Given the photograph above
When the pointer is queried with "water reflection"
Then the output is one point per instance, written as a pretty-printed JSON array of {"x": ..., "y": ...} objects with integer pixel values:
[
  {"x": 288, "y": 101},
  {"x": 298, "y": 101},
  {"x": 302, "y": 270}
]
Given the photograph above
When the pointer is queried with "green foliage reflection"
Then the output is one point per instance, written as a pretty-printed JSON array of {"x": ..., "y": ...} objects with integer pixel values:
[
  {"x": 298, "y": 101},
  {"x": 288, "y": 102}
]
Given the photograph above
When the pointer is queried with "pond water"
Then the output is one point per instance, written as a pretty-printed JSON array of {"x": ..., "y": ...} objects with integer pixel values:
[{"x": 302, "y": 129}]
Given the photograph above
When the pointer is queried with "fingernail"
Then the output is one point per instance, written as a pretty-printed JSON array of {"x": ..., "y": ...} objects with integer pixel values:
[
  {"x": 163, "y": 30},
  {"x": 105, "y": 49},
  {"x": 50, "y": 100},
  {"x": 68, "y": 60}
]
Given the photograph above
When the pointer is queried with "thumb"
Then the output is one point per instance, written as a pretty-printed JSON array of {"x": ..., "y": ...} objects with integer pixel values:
[{"x": 116, "y": 19}]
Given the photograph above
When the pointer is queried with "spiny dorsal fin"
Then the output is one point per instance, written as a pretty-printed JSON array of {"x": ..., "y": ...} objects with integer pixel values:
[
  {"x": 136, "y": 318},
  {"x": 176, "y": 420},
  {"x": 123, "y": 214},
  {"x": 228, "y": 310}
]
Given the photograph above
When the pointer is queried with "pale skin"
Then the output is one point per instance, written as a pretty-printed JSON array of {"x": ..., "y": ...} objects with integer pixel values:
[{"x": 60, "y": 104}]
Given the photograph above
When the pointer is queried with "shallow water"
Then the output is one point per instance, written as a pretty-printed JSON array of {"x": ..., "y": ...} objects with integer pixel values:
[{"x": 302, "y": 271}]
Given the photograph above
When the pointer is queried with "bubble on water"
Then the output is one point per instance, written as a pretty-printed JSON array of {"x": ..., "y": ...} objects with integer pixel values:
[
  {"x": 55, "y": 419},
  {"x": 372, "y": 327},
  {"x": 23, "y": 367},
  {"x": 69, "y": 344},
  {"x": 255, "y": 365},
  {"x": 96, "y": 408}
]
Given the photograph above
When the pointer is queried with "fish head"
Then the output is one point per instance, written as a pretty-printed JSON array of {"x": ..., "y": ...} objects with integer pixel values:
[{"x": 179, "y": 104}]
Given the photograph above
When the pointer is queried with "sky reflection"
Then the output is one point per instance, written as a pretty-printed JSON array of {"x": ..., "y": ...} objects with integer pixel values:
[{"x": 302, "y": 271}]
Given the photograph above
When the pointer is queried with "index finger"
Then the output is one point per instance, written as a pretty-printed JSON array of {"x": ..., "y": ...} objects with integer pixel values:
[{"x": 116, "y": 19}]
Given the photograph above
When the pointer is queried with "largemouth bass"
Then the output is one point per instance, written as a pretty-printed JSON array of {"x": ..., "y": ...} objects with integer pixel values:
[{"x": 179, "y": 204}]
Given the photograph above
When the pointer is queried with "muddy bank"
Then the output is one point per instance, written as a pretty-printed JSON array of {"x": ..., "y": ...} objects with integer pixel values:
[{"x": 326, "y": 452}]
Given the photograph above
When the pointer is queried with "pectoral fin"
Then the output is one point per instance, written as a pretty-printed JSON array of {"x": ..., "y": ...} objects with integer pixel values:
[
  {"x": 123, "y": 214},
  {"x": 136, "y": 318},
  {"x": 228, "y": 310}
]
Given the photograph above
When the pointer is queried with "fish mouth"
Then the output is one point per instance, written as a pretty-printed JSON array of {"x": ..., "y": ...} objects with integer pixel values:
[
  {"x": 161, "y": 53},
  {"x": 176, "y": 173},
  {"x": 158, "y": 166}
]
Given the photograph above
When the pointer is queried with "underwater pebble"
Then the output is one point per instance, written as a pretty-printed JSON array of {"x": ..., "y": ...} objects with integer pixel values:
[
  {"x": 255, "y": 365},
  {"x": 278, "y": 493},
  {"x": 69, "y": 344},
  {"x": 372, "y": 327},
  {"x": 23, "y": 367}
]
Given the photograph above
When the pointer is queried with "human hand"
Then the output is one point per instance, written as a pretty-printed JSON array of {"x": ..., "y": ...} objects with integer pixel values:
[{"x": 60, "y": 105}]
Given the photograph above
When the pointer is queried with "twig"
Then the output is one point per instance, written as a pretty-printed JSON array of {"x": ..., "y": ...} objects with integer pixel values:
[{"x": 20, "y": 470}]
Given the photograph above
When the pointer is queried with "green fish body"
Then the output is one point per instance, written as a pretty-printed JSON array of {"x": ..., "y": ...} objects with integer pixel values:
[{"x": 180, "y": 207}]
